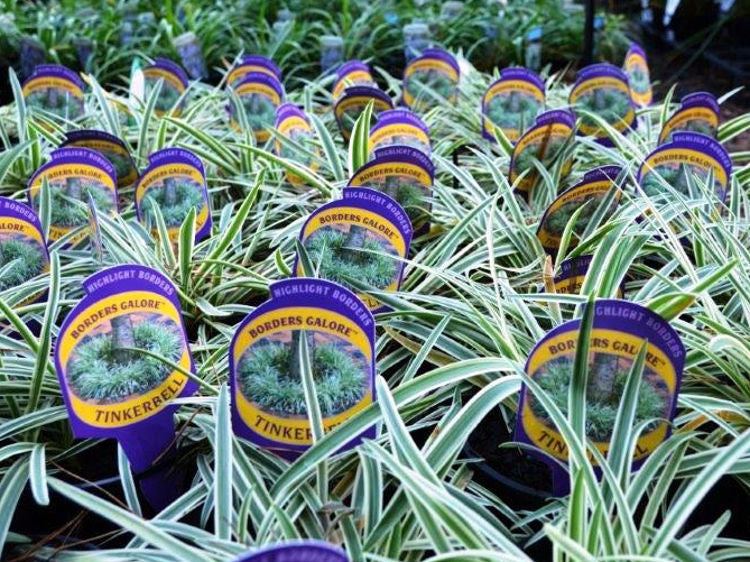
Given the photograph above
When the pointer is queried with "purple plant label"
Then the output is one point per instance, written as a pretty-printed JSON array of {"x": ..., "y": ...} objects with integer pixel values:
[
  {"x": 353, "y": 102},
  {"x": 620, "y": 329},
  {"x": 364, "y": 236},
  {"x": 23, "y": 250},
  {"x": 175, "y": 183},
  {"x": 297, "y": 551},
  {"x": 431, "y": 79},
  {"x": 684, "y": 165},
  {"x": 546, "y": 141},
  {"x": 54, "y": 89},
  {"x": 174, "y": 83},
  {"x": 400, "y": 127},
  {"x": 698, "y": 113},
  {"x": 258, "y": 95},
  {"x": 598, "y": 188},
  {"x": 72, "y": 174},
  {"x": 512, "y": 103},
  {"x": 639, "y": 77},
  {"x": 572, "y": 275},
  {"x": 252, "y": 63},
  {"x": 406, "y": 175},
  {"x": 293, "y": 124},
  {"x": 114, "y": 358},
  {"x": 352, "y": 73},
  {"x": 602, "y": 89},
  {"x": 111, "y": 147},
  {"x": 266, "y": 366}
]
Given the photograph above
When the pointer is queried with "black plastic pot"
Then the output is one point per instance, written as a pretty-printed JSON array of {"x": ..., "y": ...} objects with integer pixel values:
[{"x": 522, "y": 481}]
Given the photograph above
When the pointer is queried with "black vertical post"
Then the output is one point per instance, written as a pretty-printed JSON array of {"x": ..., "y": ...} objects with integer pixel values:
[{"x": 588, "y": 34}]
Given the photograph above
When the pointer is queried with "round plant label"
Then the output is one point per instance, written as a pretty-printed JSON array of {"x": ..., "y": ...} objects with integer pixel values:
[
  {"x": 406, "y": 175},
  {"x": 258, "y": 96},
  {"x": 362, "y": 237},
  {"x": 252, "y": 63},
  {"x": 54, "y": 89},
  {"x": 23, "y": 250},
  {"x": 114, "y": 357},
  {"x": 698, "y": 113},
  {"x": 602, "y": 90},
  {"x": 293, "y": 124},
  {"x": 111, "y": 147},
  {"x": 639, "y": 78},
  {"x": 400, "y": 127},
  {"x": 683, "y": 166},
  {"x": 597, "y": 194},
  {"x": 512, "y": 103},
  {"x": 352, "y": 73},
  {"x": 620, "y": 329},
  {"x": 353, "y": 102},
  {"x": 174, "y": 83},
  {"x": 430, "y": 80},
  {"x": 266, "y": 363},
  {"x": 297, "y": 551},
  {"x": 72, "y": 175},
  {"x": 572, "y": 275},
  {"x": 544, "y": 142},
  {"x": 174, "y": 182}
]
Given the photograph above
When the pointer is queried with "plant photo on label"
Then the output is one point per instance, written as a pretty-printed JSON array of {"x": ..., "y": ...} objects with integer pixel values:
[
  {"x": 269, "y": 373},
  {"x": 105, "y": 366}
]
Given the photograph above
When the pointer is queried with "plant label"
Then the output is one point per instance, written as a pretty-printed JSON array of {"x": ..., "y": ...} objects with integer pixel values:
[
  {"x": 252, "y": 63},
  {"x": 572, "y": 276},
  {"x": 56, "y": 90},
  {"x": 406, "y": 175},
  {"x": 598, "y": 193},
  {"x": 23, "y": 250},
  {"x": 353, "y": 102},
  {"x": 257, "y": 95},
  {"x": 619, "y": 330},
  {"x": 512, "y": 103},
  {"x": 698, "y": 113},
  {"x": 267, "y": 365},
  {"x": 400, "y": 127},
  {"x": 174, "y": 182},
  {"x": 116, "y": 357},
  {"x": 297, "y": 551},
  {"x": 113, "y": 150},
  {"x": 639, "y": 77},
  {"x": 683, "y": 166},
  {"x": 72, "y": 175},
  {"x": 431, "y": 79},
  {"x": 352, "y": 73},
  {"x": 602, "y": 90},
  {"x": 294, "y": 126},
  {"x": 363, "y": 237},
  {"x": 174, "y": 84},
  {"x": 546, "y": 141}
]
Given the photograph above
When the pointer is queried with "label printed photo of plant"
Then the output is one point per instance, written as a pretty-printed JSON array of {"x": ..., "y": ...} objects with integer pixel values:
[
  {"x": 56, "y": 90},
  {"x": 399, "y": 127},
  {"x": 74, "y": 174},
  {"x": 404, "y": 174},
  {"x": 23, "y": 250},
  {"x": 512, "y": 103},
  {"x": 336, "y": 329},
  {"x": 353, "y": 102},
  {"x": 257, "y": 96},
  {"x": 431, "y": 79},
  {"x": 620, "y": 329},
  {"x": 683, "y": 167},
  {"x": 698, "y": 113},
  {"x": 112, "y": 148},
  {"x": 174, "y": 82},
  {"x": 363, "y": 237},
  {"x": 174, "y": 182}
]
